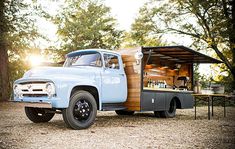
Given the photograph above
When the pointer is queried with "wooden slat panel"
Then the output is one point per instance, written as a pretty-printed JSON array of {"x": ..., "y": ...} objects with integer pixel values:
[
  {"x": 132, "y": 103},
  {"x": 137, "y": 108},
  {"x": 130, "y": 99},
  {"x": 129, "y": 70},
  {"x": 133, "y": 76},
  {"x": 133, "y": 98},
  {"x": 132, "y": 85},
  {"x": 134, "y": 90},
  {"x": 133, "y": 94},
  {"x": 129, "y": 64},
  {"x": 133, "y": 79}
]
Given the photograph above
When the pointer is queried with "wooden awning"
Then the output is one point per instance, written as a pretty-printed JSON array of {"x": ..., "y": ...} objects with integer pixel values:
[{"x": 179, "y": 54}]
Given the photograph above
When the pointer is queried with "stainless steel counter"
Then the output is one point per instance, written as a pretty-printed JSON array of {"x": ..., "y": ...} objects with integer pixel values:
[{"x": 167, "y": 90}]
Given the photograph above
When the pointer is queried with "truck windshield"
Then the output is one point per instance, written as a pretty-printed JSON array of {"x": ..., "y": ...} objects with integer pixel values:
[{"x": 83, "y": 59}]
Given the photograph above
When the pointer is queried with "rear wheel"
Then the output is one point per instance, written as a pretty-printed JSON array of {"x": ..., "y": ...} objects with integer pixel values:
[
  {"x": 124, "y": 112},
  {"x": 38, "y": 115},
  {"x": 171, "y": 112},
  {"x": 81, "y": 112}
]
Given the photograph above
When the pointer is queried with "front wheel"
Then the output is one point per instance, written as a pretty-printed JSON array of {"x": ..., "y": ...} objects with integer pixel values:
[
  {"x": 171, "y": 112},
  {"x": 38, "y": 115},
  {"x": 81, "y": 112}
]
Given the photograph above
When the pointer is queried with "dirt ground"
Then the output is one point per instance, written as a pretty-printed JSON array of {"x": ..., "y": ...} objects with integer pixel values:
[{"x": 141, "y": 130}]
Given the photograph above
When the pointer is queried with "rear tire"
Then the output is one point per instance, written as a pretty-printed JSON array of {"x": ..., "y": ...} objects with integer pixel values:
[
  {"x": 38, "y": 115},
  {"x": 171, "y": 112},
  {"x": 81, "y": 112},
  {"x": 124, "y": 112}
]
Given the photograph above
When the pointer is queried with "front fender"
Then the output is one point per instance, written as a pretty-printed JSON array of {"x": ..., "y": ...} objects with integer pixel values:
[{"x": 64, "y": 88}]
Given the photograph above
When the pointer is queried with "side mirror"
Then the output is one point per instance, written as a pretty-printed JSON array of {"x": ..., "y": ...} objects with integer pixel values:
[
  {"x": 138, "y": 56},
  {"x": 124, "y": 65}
]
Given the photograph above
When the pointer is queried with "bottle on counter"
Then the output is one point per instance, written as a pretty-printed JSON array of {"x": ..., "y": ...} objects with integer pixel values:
[
  {"x": 161, "y": 84},
  {"x": 153, "y": 84},
  {"x": 148, "y": 85},
  {"x": 165, "y": 84}
]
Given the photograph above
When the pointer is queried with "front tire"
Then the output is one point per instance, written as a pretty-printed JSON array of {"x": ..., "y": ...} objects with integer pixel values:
[
  {"x": 171, "y": 112},
  {"x": 38, "y": 115},
  {"x": 81, "y": 112}
]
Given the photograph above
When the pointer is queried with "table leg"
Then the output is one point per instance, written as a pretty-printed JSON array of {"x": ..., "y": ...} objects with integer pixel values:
[
  {"x": 195, "y": 105},
  {"x": 209, "y": 112},
  {"x": 224, "y": 107},
  {"x": 212, "y": 108}
]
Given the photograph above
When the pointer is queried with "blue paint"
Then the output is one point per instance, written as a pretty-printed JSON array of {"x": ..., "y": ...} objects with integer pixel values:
[{"x": 110, "y": 83}]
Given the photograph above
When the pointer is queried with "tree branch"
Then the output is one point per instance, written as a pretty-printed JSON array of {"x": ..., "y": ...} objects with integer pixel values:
[
  {"x": 223, "y": 58},
  {"x": 225, "y": 9},
  {"x": 185, "y": 33}
]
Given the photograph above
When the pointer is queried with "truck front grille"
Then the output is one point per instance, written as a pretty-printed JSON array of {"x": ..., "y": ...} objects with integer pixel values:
[{"x": 33, "y": 89}]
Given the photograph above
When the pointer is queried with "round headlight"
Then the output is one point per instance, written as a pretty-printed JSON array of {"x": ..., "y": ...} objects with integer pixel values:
[
  {"x": 50, "y": 89},
  {"x": 16, "y": 89}
]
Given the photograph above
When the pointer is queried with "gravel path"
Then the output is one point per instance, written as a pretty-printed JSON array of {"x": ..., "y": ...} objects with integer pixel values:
[{"x": 141, "y": 130}]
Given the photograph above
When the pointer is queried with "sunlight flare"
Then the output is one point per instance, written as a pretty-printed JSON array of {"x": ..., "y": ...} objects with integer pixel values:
[{"x": 35, "y": 60}]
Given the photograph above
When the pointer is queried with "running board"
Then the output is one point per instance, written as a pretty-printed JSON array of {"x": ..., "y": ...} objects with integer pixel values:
[{"x": 113, "y": 106}]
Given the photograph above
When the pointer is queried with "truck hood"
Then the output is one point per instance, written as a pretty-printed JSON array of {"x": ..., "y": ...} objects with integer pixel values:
[{"x": 54, "y": 72}]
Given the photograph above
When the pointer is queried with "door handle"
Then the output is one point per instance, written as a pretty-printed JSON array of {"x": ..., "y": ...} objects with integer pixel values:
[
  {"x": 152, "y": 100},
  {"x": 121, "y": 74}
]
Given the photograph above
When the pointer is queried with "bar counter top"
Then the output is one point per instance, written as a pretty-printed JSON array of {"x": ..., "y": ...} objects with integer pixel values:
[{"x": 166, "y": 90}]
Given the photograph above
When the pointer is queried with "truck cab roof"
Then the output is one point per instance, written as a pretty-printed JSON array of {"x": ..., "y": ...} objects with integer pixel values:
[{"x": 92, "y": 50}]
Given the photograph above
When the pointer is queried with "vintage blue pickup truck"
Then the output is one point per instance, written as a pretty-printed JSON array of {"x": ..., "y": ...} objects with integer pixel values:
[{"x": 124, "y": 81}]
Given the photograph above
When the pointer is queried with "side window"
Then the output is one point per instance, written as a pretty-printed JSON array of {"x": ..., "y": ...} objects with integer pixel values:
[{"x": 111, "y": 61}]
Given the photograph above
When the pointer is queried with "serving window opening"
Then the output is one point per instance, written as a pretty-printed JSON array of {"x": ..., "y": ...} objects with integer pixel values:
[{"x": 164, "y": 72}]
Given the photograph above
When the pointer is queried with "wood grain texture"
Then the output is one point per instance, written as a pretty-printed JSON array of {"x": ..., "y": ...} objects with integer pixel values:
[{"x": 133, "y": 79}]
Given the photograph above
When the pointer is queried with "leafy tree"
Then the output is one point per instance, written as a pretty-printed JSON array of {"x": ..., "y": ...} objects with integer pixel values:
[
  {"x": 143, "y": 34},
  {"x": 17, "y": 32},
  {"x": 210, "y": 23},
  {"x": 87, "y": 24}
]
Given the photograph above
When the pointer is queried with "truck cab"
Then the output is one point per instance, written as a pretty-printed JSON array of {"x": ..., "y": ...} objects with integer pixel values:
[{"x": 89, "y": 80}]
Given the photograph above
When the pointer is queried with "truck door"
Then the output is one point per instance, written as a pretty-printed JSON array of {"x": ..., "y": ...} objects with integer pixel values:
[{"x": 114, "y": 83}]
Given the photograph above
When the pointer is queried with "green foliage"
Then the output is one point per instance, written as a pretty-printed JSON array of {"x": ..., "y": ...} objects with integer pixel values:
[
  {"x": 87, "y": 24},
  {"x": 208, "y": 23},
  {"x": 144, "y": 31},
  {"x": 20, "y": 33},
  {"x": 128, "y": 41}
]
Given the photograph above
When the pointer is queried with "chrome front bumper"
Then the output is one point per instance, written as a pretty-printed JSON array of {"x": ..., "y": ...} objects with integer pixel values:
[{"x": 34, "y": 104}]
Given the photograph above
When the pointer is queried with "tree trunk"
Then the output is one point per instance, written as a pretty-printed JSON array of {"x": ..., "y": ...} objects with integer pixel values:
[
  {"x": 4, "y": 78},
  {"x": 232, "y": 40},
  {"x": 4, "y": 73},
  {"x": 224, "y": 59}
]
